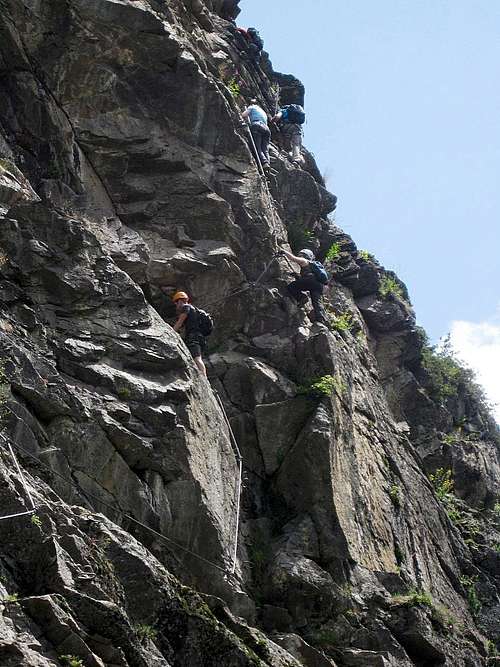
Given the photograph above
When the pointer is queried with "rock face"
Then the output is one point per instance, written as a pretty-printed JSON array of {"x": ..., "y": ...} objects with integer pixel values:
[{"x": 125, "y": 173}]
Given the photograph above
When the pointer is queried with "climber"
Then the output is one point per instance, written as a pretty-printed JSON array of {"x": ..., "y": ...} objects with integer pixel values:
[
  {"x": 249, "y": 42},
  {"x": 290, "y": 120},
  {"x": 260, "y": 131},
  {"x": 312, "y": 279},
  {"x": 196, "y": 328}
]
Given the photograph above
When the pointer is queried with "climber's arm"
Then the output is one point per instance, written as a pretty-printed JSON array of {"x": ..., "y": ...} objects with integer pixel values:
[
  {"x": 301, "y": 261},
  {"x": 180, "y": 322}
]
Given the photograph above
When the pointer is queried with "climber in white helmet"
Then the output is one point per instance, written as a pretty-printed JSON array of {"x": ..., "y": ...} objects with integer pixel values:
[{"x": 313, "y": 277}]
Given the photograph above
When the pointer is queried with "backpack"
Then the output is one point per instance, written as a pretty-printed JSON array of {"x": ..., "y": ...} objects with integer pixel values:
[
  {"x": 256, "y": 38},
  {"x": 319, "y": 272},
  {"x": 294, "y": 113},
  {"x": 205, "y": 322}
]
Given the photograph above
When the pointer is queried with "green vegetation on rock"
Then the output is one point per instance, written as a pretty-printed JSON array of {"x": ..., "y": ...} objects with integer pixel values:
[
  {"x": 367, "y": 256},
  {"x": 71, "y": 660},
  {"x": 333, "y": 252},
  {"x": 394, "y": 492},
  {"x": 413, "y": 598},
  {"x": 469, "y": 583},
  {"x": 234, "y": 87},
  {"x": 323, "y": 386},
  {"x": 341, "y": 322},
  {"x": 145, "y": 631},
  {"x": 390, "y": 287}
]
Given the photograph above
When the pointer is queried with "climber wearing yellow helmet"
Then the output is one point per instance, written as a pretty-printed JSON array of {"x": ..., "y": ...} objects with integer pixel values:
[{"x": 197, "y": 325}]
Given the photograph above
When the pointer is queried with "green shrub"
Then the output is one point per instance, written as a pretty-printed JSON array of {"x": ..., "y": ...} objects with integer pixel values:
[
  {"x": 442, "y": 482},
  {"x": 452, "y": 439},
  {"x": 323, "y": 386},
  {"x": 333, "y": 252},
  {"x": 414, "y": 598},
  {"x": 123, "y": 392},
  {"x": 419, "y": 597},
  {"x": 36, "y": 521},
  {"x": 367, "y": 256},
  {"x": 71, "y": 660},
  {"x": 13, "y": 598},
  {"x": 390, "y": 286},
  {"x": 399, "y": 555},
  {"x": 469, "y": 583},
  {"x": 444, "y": 372},
  {"x": 447, "y": 376},
  {"x": 491, "y": 648},
  {"x": 342, "y": 322},
  {"x": 144, "y": 631},
  {"x": 234, "y": 87},
  {"x": 394, "y": 495}
]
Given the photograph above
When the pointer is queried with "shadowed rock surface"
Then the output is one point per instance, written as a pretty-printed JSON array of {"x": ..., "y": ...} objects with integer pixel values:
[{"x": 125, "y": 172}]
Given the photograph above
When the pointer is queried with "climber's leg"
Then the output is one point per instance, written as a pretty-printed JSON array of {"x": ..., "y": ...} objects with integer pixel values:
[
  {"x": 316, "y": 299},
  {"x": 254, "y": 53},
  {"x": 200, "y": 364},
  {"x": 257, "y": 139},
  {"x": 266, "y": 138},
  {"x": 296, "y": 290},
  {"x": 296, "y": 146},
  {"x": 195, "y": 343}
]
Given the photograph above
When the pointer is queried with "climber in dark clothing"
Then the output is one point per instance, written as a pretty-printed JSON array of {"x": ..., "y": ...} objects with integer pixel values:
[
  {"x": 307, "y": 282},
  {"x": 188, "y": 318},
  {"x": 249, "y": 43},
  {"x": 290, "y": 120}
]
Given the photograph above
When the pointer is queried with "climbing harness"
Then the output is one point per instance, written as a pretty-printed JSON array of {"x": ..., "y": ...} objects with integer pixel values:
[
  {"x": 239, "y": 460},
  {"x": 23, "y": 481}
]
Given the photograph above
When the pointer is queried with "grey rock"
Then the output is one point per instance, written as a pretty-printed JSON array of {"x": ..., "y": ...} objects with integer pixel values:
[{"x": 125, "y": 173}]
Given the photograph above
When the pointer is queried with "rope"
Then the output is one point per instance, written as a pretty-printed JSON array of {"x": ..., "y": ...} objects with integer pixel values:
[
  {"x": 14, "y": 516},
  {"x": 239, "y": 459},
  {"x": 87, "y": 494},
  {"x": 23, "y": 481},
  {"x": 212, "y": 304}
]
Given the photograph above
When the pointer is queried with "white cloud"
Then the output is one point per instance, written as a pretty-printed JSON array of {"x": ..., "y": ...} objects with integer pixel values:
[{"x": 478, "y": 345}]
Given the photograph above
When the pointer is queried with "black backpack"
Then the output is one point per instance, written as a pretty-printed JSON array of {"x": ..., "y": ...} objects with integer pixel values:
[
  {"x": 319, "y": 272},
  {"x": 256, "y": 38},
  {"x": 294, "y": 113},
  {"x": 205, "y": 322}
]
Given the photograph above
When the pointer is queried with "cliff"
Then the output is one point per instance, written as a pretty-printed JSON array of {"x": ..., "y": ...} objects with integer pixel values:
[{"x": 369, "y": 530}]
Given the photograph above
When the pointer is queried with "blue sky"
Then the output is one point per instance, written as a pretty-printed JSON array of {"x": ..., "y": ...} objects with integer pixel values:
[{"x": 403, "y": 104}]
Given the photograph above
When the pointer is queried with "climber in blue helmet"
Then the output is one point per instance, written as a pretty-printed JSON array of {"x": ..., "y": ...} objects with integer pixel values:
[{"x": 313, "y": 277}]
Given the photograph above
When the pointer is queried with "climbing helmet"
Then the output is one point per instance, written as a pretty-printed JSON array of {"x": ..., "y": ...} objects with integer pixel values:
[{"x": 307, "y": 254}]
